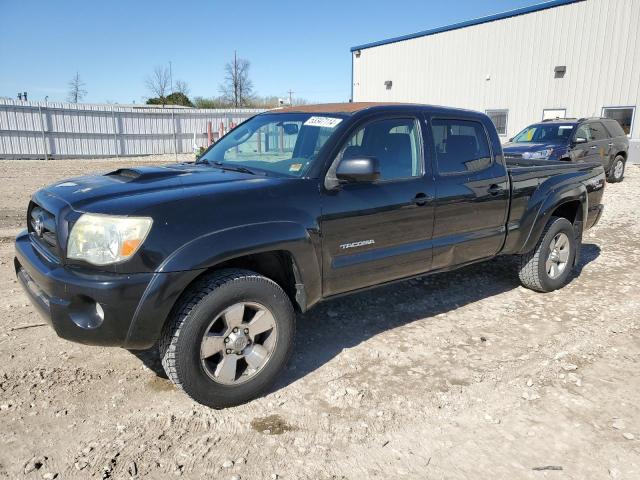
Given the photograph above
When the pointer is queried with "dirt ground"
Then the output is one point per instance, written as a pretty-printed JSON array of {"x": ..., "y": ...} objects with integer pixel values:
[{"x": 459, "y": 375}]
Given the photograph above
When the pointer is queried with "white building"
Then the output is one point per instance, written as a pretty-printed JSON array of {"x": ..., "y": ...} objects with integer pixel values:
[{"x": 561, "y": 58}]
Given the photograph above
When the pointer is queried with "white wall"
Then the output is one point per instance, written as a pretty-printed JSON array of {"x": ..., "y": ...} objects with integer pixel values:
[{"x": 597, "y": 40}]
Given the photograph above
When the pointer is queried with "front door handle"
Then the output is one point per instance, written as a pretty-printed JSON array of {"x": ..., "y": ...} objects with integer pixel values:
[
  {"x": 421, "y": 199},
  {"x": 594, "y": 147},
  {"x": 494, "y": 189},
  {"x": 611, "y": 144}
]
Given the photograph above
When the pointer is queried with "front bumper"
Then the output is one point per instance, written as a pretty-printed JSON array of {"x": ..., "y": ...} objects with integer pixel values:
[{"x": 133, "y": 307}]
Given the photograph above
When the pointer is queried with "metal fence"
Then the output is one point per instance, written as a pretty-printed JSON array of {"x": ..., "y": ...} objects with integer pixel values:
[{"x": 64, "y": 130}]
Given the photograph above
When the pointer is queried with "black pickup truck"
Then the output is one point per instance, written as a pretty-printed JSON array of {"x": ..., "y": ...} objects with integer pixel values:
[{"x": 209, "y": 260}]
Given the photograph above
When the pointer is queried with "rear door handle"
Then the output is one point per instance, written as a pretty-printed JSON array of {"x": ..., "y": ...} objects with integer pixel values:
[
  {"x": 594, "y": 147},
  {"x": 421, "y": 199},
  {"x": 495, "y": 189},
  {"x": 611, "y": 144}
]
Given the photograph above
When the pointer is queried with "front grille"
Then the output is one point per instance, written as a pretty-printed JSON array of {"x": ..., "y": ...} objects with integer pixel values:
[{"x": 42, "y": 226}]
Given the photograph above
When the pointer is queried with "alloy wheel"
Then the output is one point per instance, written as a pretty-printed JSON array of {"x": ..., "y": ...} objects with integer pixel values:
[{"x": 238, "y": 343}]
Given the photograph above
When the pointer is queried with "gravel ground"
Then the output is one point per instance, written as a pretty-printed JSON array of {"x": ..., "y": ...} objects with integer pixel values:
[{"x": 459, "y": 375}]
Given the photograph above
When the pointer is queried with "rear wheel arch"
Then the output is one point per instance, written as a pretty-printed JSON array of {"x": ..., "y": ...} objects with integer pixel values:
[
  {"x": 571, "y": 205},
  {"x": 571, "y": 210}
]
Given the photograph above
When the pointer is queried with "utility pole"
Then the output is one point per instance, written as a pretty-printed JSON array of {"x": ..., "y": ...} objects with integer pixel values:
[
  {"x": 290, "y": 92},
  {"x": 170, "y": 76}
]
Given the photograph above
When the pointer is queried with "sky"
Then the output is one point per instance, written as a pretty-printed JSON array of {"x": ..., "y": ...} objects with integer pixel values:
[{"x": 114, "y": 45}]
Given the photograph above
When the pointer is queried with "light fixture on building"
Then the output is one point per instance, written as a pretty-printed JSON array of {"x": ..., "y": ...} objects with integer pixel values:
[
  {"x": 388, "y": 84},
  {"x": 560, "y": 71},
  {"x": 357, "y": 52}
]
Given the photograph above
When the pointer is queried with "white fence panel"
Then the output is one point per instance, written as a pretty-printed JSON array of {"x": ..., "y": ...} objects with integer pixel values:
[{"x": 64, "y": 130}]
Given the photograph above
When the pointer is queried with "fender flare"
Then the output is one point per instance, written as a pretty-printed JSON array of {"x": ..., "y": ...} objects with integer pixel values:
[
  {"x": 216, "y": 247},
  {"x": 555, "y": 199},
  {"x": 177, "y": 272}
]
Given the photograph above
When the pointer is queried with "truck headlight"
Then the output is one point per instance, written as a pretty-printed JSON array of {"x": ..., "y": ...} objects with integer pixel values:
[
  {"x": 539, "y": 155},
  {"x": 105, "y": 239}
]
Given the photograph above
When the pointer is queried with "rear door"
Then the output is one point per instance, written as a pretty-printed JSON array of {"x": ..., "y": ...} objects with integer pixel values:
[
  {"x": 603, "y": 144},
  {"x": 378, "y": 232},
  {"x": 472, "y": 192}
]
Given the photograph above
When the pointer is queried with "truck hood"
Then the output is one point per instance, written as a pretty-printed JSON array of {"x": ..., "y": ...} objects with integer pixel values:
[
  {"x": 162, "y": 182},
  {"x": 520, "y": 148}
]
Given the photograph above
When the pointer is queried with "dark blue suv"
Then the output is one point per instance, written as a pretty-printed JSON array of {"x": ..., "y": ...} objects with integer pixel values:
[{"x": 572, "y": 140}]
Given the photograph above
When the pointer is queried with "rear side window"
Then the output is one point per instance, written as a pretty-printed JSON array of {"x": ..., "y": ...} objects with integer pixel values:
[
  {"x": 598, "y": 131},
  {"x": 461, "y": 146},
  {"x": 615, "y": 129}
]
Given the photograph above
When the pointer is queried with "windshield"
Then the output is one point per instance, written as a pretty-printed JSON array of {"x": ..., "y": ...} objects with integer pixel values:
[
  {"x": 280, "y": 143},
  {"x": 552, "y": 132}
]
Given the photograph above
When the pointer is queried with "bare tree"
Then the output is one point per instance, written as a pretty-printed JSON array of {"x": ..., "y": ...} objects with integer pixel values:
[
  {"x": 181, "y": 87},
  {"x": 158, "y": 83},
  {"x": 76, "y": 89},
  {"x": 237, "y": 88}
]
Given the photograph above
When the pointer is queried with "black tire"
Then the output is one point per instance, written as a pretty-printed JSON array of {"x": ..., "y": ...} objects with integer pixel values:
[
  {"x": 612, "y": 176},
  {"x": 532, "y": 267},
  {"x": 180, "y": 343}
]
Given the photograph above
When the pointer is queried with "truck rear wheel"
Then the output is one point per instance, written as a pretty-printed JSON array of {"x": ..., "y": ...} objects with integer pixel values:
[
  {"x": 548, "y": 266},
  {"x": 229, "y": 338}
]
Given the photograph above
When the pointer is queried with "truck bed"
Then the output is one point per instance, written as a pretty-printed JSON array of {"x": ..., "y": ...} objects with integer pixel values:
[{"x": 531, "y": 180}]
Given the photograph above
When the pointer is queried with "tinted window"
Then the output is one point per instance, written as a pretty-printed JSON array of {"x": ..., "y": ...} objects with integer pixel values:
[
  {"x": 461, "y": 146},
  {"x": 598, "y": 131},
  {"x": 394, "y": 142},
  {"x": 584, "y": 132},
  {"x": 614, "y": 128}
]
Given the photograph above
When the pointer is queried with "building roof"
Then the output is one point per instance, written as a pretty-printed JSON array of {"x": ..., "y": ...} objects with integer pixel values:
[
  {"x": 477, "y": 21},
  {"x": 350, "y": 107}
]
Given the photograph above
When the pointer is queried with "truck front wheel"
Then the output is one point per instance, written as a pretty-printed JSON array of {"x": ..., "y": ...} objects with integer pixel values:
[
  {"x": 548, "y": 266},
  {"x": 229, "y": 337}
]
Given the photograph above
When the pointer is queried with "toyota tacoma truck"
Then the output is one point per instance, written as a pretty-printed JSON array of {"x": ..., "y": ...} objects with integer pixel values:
[{"x": 208, "y": 261}]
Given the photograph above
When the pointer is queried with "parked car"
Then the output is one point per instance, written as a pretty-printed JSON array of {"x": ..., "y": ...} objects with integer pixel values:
[
  {"x": 209, "y": 260},
  {"x": 586, "y": 139}
]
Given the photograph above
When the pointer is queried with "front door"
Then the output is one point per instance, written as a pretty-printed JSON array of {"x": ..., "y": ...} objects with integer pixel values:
[
  {"x": 381, "y": 231},
  {"x": 589, "y": 151},
  {"x": 472, "y": 197}
]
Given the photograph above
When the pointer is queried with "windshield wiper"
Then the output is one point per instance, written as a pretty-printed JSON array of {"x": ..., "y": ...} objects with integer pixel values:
[{"x": 226, "y": 166}]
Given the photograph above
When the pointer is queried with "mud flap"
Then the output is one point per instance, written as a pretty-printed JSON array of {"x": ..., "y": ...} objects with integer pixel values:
[{"x": 578, "y": 228}]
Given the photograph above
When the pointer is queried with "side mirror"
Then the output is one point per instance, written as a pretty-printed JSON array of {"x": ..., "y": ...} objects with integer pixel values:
[
  {"x": 579, "y": 140},
  {"x": 358, "y": 170},
  {"x": 290, "y": 128}
]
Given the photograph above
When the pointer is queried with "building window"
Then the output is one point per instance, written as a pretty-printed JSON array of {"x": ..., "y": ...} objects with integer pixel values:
[
  {"x": 624, "y": 116},
  {"x": 553, "y": 113},
  {"x": 499, "y": 119}
]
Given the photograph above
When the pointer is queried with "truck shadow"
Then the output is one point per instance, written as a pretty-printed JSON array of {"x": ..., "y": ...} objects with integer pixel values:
[{"x": 348, "y": 321}]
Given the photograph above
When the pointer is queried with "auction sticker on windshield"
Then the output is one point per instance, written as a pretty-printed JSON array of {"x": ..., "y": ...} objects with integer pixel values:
[{"x": 327, "y": 122}]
